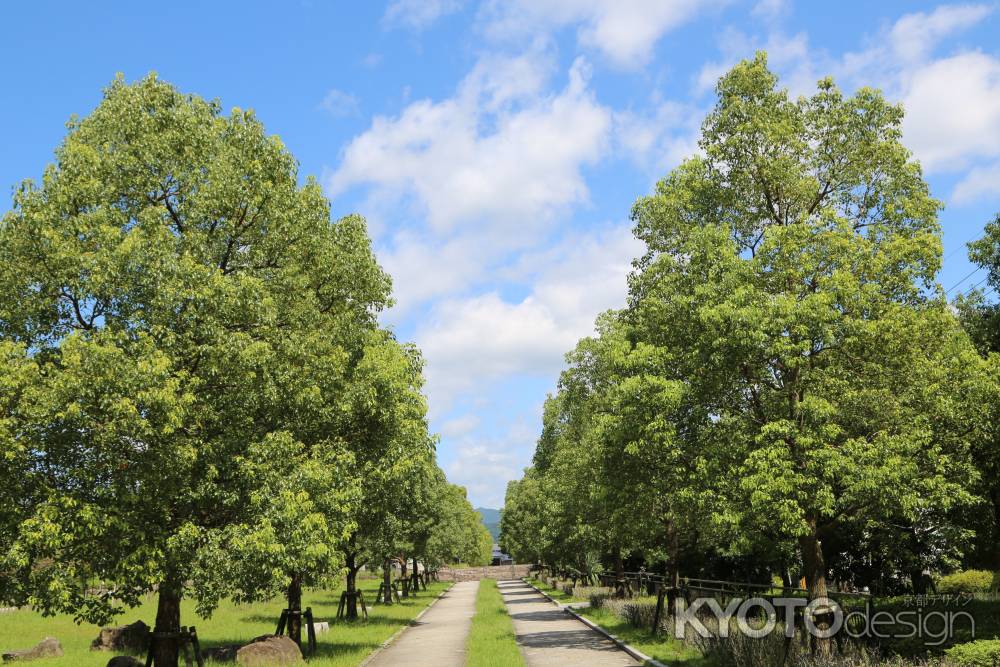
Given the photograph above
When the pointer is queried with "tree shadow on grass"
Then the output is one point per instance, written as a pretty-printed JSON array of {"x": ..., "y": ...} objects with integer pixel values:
[
  {"x": 335, "y": 601},
  {"x": 323, "y": 649},
  {"x": 334, "y": 623}
]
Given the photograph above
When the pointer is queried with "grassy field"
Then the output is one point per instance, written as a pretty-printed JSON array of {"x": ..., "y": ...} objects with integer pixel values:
[
  {"x": 491, "y": 641},
  {"x": 345, "y": 645},
  {"x": 554, "y": 593},
  {"x": 666, "y": 649}
]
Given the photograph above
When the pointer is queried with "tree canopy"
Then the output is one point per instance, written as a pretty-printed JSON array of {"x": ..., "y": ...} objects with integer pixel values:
[
  {"x": 786, "y": 372},
  {"x": 197, "y": 397}
]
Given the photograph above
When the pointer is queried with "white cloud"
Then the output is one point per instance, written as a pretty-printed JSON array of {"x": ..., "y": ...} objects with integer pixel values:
[
  {"x": 482, "y": 338},
  {"x": 952, "y": 102},
  {"x": 460, "y": 426},
  {"x": 476, "y": 341},
  {"x": 953, "y": 110},
  {"x": 419, "y": 14},
  {"x": 484, "y": 466},
  {"x": 770, "y": 8},
  {"x": 978, "y": 183},
  {"x": 625, "y": 31},
  {"x": 499, "y": 152},
  {"x": 484, "y": 463},
  {"x": 789, "y": 54},
  {"x": 423, "y": 268},
  {"x": 339, "y": 103},
  {"x": 659, "y": 140},
  {"x": 914, "y": 36}
]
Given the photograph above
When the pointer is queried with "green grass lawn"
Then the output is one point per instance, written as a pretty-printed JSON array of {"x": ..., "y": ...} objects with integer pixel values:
[
  {"x": 666, "y": 649},
  {"x": 491, "y": 641},
  {"x": 346, "y": 644},
  {"x": 554, "y": 593}
]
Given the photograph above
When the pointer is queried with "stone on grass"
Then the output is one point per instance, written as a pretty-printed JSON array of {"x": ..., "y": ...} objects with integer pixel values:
[
  {"x": 47, "y": 648},
  {"x": 321, "y": 626},
  {"x": 125, "y": 661},
  {"x": 133, "y": 637},
  {"x": 268, "y": 650}
]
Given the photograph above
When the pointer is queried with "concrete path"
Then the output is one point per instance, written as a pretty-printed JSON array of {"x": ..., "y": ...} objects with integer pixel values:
[
  {"x": 438, "y": 638},
  {"x": 550, "y": 636}
]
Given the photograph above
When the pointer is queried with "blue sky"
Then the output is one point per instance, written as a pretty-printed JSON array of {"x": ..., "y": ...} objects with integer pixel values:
[{"x": 497, "y": 147}]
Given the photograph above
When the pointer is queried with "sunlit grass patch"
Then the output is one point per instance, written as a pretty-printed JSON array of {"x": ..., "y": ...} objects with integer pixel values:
[
  {"x": 345, "y": 645},
  {"x": 492, "y": 641},
  {"x": 661, "y": 647}
]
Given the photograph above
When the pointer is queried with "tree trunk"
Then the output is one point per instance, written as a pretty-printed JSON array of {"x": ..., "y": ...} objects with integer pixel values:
[
  {"x": 673, "y": 578},
  {"x": 351, "y": 588},
  {"x": 387, "y": 581},
  {"x": 815, "y": 571},
  {"x": 416, "y": 577},
  {"x": 619, "y": 574},
  {"x": 168, "y": 619},
  {"x": 917, "y": 581},
  {"x": 295, "y": 605}
]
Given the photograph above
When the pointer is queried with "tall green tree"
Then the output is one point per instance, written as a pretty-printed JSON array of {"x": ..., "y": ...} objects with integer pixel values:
[
  {"x": 790, "y": 272},
  {"x": 385, "y": 420},
  {"x": 524, "y": 521},
  {"x": 173, "y": 294},
  {"x": 981, "y": 318}
]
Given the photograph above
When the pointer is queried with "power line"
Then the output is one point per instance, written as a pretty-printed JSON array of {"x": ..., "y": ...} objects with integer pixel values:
[
  {"x": 953, "y": 253},
  {"x": 969, "y": 291},
  {"x": 971, "y": 273},
  {"x": 962, "y": 246}
]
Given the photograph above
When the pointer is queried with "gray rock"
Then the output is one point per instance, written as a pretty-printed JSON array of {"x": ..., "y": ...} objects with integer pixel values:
[
  {"x": 321, "y": 626},
  {"x": 132, "y": 638},
  {"x": 125, "y": 661},
  {"x": 269, "y": 650},
  {"x": 47, "y": 648}
]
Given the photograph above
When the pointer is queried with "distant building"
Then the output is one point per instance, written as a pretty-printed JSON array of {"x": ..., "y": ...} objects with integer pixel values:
[{"x": 500, "y": 558}]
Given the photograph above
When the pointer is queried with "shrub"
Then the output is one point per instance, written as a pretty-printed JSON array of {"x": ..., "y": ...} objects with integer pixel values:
[
  {"x": 738, "y": 650},
  {"x": 969, "y": 581},
  {"x": 588, "y": 592},
  {"x": 773, "y": 650},
  {"x": 599, "y": 596},
  {"x": 980, "y": 653},
  {"x": 637, "y": 613}
]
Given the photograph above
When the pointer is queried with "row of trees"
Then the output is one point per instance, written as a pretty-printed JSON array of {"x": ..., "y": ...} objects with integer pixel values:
[
  {"x": 196, "y": 397},
  {"x": 788, "y": 390}
]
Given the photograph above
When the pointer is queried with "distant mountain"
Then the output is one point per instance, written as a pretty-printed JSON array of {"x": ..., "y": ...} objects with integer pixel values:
[
  {"x": 489, "y": 516},
  {"x": 491, "y": 519}
]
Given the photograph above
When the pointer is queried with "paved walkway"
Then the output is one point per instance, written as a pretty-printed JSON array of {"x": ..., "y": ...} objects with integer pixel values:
[
  {"x": 438, "y": 638},
  {"x": 550, "y": 636}
]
